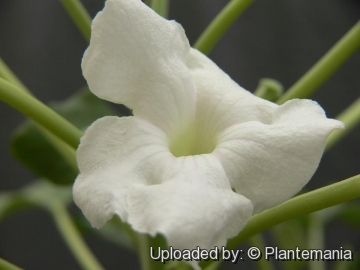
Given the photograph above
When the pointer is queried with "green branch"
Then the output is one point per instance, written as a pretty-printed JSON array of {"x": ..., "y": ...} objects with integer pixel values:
[
  {"x": 73, "y": 239},
  {"x": 142, "y": 244},
  {"x": 161, "y": 7},
  {"x": 67, "y": 152},
  {"x": 315, "y": 239},
  {"x": 259, "y": 242},
  {"x": 316, "y": 200},
  {"x": 269, "y": 89},
  {"x": 350, "y": 117},
  {"x": 220, "y": 24},
  {"x": 8, "y": 75},
  {"x": 5, "y": 265},
  {"x": 40, "y": 113},
  {"x": 80, "y": 16},
  {"x": 325, "y": 67}
]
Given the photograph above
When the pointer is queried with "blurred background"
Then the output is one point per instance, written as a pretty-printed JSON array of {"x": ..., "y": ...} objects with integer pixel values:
[{"x": 278, "y": 39}]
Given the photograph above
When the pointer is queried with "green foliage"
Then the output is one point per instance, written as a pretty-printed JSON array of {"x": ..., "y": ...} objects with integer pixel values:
[
  {"x": 34, "y": 151},
  {"x": 351, "y": 214},
  {"x": 82, "y": 109},
  {"x": 44, "y": 194},
  {"x": 289, "y": 235},
  {"x": 10, "y": 202},
  {"x": 40, "y": 193},
  {"x": 269, "y": 89},
  {"x": 114, "y": 231},
  {"x": 156, "y": 242},
  {"x": 30, "y": 147}
]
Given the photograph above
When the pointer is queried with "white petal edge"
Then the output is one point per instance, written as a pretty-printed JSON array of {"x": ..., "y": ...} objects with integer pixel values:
[
  {"x": 195, "y": 206},
  {"x": 114, "y": 154},
  {"x": 137, "y": 58},
  {"x": 270, "y": 163}
]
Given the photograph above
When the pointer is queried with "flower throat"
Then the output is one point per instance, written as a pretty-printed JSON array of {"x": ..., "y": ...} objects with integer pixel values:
[{"x": 196, "y": 140}]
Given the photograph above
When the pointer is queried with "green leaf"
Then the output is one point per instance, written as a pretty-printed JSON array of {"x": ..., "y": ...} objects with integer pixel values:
[
  {"x": 31, "y": 148},
  {"x": 41, "y": 157},
  {"x": 156, "y": 242},
  {"x": 114, "y": 231},
  {"x": 82, "y": 109}
]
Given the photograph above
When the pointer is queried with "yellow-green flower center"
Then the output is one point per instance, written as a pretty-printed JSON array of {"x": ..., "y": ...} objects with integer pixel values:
[{"x": 195, "y": 140}]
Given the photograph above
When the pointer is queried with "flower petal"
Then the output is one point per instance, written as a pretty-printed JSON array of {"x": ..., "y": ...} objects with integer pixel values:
[
  {"x": 221, "y": 102},
  {"x": 114, "y": 154},
  {"x": 195, "y": 207},
  {"x": 133, "y": 175},
  {"x": 270, "y": 163},
  {"x": 136, "y": 58}
]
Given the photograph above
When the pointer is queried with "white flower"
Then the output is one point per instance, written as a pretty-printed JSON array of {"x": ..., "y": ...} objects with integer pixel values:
[{"x": 194, "y": 138}]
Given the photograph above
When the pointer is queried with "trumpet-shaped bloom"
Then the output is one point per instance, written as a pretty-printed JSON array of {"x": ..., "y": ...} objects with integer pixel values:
[{"x": 200, "y": 154}]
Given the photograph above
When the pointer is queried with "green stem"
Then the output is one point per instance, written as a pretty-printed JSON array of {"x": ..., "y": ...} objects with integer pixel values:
[
  {"x": 40, "y": 113},
  {"x": 316, "y": 239},
  {"x": 67, "y": 152},
  {"x": 326, "y": 66},
  {"x": 350, "y": 117},
  {"x": 220, "y": 24},
  {"x": 258, "y": 241},
  {"x": 80, "y": 16},
  {"x": 269, "y": 89},
  {"x": 8, "y": 75},
  {"x": 73, "y": 239},
  {"x": 161, "y": 7},
  {"x": 322, "y": 198},
  {"x": 5, "y": 265},
  {"x": 142, "y": 243}
]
